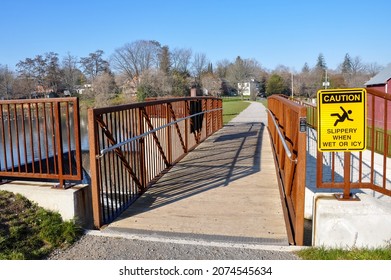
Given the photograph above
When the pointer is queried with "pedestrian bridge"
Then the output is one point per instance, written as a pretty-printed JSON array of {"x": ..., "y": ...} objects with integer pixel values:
[
  {"x": 170, "y": 168},
  {"x": 225, "y": 189}
]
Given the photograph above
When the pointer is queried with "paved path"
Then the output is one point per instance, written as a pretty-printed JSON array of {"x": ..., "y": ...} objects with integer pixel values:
[{"x": 225, "y": 190}]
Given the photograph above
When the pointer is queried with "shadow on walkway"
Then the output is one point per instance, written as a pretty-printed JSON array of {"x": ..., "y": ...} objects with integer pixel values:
[{"x": 230, "y": 154}]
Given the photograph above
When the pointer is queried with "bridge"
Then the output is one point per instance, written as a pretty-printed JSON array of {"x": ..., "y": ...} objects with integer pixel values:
[
  {"x": 170, "y": 168},
  {"x": 224, "y": 190}
]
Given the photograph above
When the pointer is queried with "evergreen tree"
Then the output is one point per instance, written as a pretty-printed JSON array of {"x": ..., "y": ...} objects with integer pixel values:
[
  {"x": 179, "y": 84},
  {"x": 306, "y": 68},
  {"x": 210, "y": 68},
  {"x": 346, "y": 67},
  {"x": 321, "y": 63},
  {"x": 276, "y": 85},
  {"x": 165, "y": 63},
  {"x": 262, "y": 85}
]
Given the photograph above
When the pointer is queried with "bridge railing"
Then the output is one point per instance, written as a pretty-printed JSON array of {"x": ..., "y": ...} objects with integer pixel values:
[
  {"x": 40, "y": 139},
  {"x": 287, "y": 127},
  {"x": 133, "y": 145}
]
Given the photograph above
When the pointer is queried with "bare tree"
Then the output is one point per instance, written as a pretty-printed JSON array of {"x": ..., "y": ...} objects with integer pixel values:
[
  {"x": 23, "y": 87},
  {"x": 242, "y": 71},
  {"x": 28, "y": 69},
  {"x": 6, "y": 82},
  {"x": 94, "y": 64},
  {"x": 222, "y": 68},
  {"x": 373, "y": 69},
  {"x": 153, "y": 83},
  {"x": 308, "y": 81},
  {"x": 180, "y": 59},
  {"x": 70, "y": 71},
  {"x": 354, "y": 71},
  {"x": 357, "y": 66},
  {"x": 104, "y": 88},
  {"x": 238, "y": 73},
  {"x": 200, "y": 64},
  {"x": 286, "y": 74},
  {"x": 42, "y": 71},
  {"x": 212, "y": 84},
  {"x": 134, "y": 58},
  {"x": 31, "y": 75},
  {"x": 52, "y": 71}
]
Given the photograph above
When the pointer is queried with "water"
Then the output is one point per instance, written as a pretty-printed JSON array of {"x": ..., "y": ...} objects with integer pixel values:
[{"x": 29, "y": 140}]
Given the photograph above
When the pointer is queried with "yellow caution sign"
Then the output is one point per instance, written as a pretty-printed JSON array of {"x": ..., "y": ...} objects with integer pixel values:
[{"x": 342, "y": 115}]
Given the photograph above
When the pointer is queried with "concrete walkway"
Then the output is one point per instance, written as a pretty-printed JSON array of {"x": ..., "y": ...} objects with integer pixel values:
[{"x": 226, "y": 189}]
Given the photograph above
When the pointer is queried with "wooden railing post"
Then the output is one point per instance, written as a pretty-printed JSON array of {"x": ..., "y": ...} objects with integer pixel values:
[
  {"x": 143, "y": 170},
  {"x": 187, "y": 130},
  {"x": 94, "y": 170},
  {"x": 301, "y": 178},
  {"x": 168, "y": 134},
  {"x": 58, "y": 141}
]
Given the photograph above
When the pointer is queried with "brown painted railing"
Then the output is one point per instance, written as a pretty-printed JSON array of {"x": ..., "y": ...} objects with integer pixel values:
[
  {"x": 312, "y": 113},
  {"x": 287, "y": 127},
  {"x": 40, "y": 139},
  {"x": 369, "y": 169},
  {"x": 133, "y": 145}
]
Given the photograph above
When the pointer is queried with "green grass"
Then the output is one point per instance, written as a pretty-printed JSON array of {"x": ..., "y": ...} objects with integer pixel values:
[
  {"x": 340, "y": 254},
  {"x": 231, "y": 98},
  {"x": 29, "y": 232},
  {"x": 379, "y": 140},
  {"x": 263, "y": 101},
  {"x": 232, "y": 108}
]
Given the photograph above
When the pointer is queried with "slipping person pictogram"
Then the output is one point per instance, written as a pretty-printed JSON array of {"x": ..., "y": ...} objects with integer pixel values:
[{"x": 343, "y": 117}]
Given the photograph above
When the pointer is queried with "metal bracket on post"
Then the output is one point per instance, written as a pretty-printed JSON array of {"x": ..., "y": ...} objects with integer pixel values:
[
  {"x": 62, "y": 185},
  {"x": 303, "y": 124},
  {"x": 351, "y": 197}
]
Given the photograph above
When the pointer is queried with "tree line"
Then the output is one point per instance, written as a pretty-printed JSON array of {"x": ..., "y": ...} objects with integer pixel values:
[{"x": 145, "y": 68}]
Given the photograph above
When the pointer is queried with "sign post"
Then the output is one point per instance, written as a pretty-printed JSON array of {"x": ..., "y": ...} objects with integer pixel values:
[{"x": 342, "y": 124}]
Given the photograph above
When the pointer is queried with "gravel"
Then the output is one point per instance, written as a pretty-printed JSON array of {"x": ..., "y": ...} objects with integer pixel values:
[{"x": 95, "y": 247}]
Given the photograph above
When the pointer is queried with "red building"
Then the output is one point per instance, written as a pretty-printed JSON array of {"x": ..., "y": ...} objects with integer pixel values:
[{"x": 380, "y": 82}]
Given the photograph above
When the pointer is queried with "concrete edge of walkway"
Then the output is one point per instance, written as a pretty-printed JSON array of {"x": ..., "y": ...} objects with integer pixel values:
[{"x": 197, "y": 242}]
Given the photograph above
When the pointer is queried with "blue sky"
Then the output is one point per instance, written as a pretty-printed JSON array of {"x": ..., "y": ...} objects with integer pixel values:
[{"x": 272, "y": 32}]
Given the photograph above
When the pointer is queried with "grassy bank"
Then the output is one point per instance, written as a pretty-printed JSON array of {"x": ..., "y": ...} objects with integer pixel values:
[
  {"x": 29, "y": 232},
  {"x": 340, "y": 254}
]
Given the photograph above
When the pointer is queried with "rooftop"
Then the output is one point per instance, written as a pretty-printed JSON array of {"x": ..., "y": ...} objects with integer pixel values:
[{"x": 381, "y": 78}]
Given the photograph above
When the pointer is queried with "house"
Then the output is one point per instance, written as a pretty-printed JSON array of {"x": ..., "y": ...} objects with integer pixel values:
[
  {"x": 249, "y": 87},
  {"x": 381, "y": 81},
  {"x": 81, "y": 89}
]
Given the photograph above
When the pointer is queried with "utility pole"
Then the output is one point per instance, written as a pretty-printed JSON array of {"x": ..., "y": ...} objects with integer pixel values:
[
  {"x": 326, "y": 83},
  {"x": 292, "y": 84}
]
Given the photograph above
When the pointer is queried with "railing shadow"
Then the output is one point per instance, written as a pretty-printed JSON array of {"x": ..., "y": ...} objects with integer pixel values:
[{"x": 230, "y": 154}]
